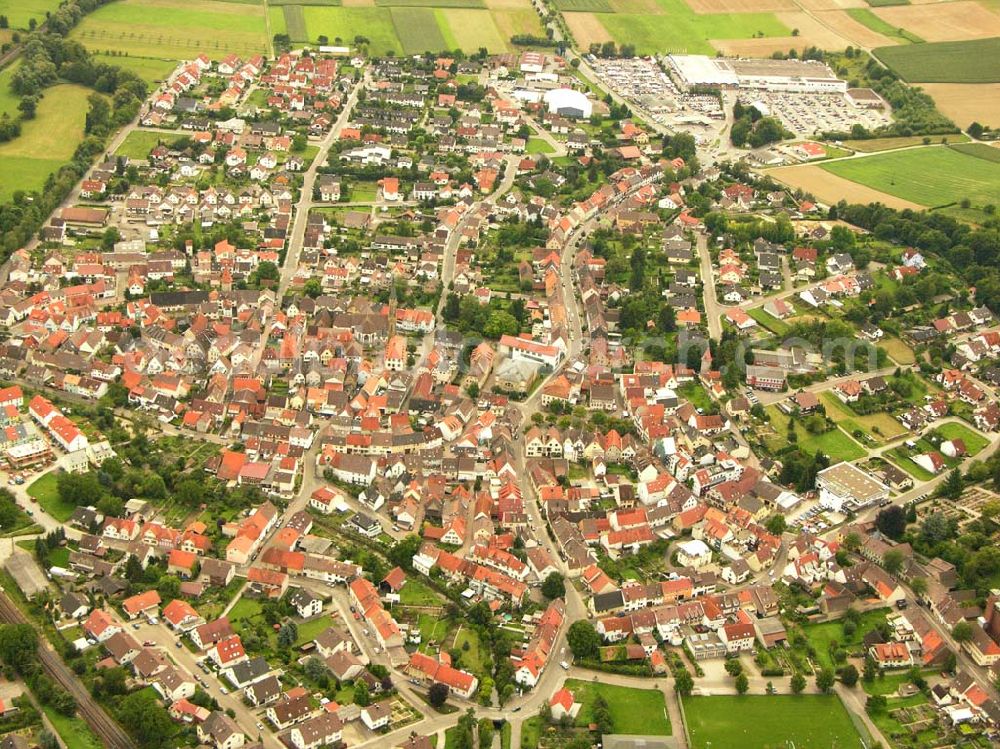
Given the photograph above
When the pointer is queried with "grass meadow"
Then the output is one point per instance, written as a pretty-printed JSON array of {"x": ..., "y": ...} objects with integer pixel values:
[
  {"x": 633, "y": 711},
  {"x": 756, "y": 721}
]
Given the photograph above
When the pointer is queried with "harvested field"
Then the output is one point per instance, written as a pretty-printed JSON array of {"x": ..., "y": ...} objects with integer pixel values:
[
  {"x": 586, "y": 29},
  {"x": 945, "y": 22},
  {"x": 757, "y": 47},
  {"x": 358, "y": 3},
  {"x": 841, "y": 22},
  {"x": 965, "y": 103},
  {"x": 812, "y": 31},
  {"x": 508, "y": 4},
  {"x": 518, "y": 21},
  {"x": 830, "y": 188},
  {"x": 740, "y": 6}
]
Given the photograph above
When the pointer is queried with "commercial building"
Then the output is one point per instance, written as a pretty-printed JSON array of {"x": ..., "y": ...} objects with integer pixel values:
[
  {"x": 797, "y": 76},
  {"x": 846, "y": 487}
]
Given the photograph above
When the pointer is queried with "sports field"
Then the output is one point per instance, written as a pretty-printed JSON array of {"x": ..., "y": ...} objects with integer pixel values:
[
  {"x": 929, "y": 176},
  {"x": 175, "y": 29},
  {"x": 46, "y": 142},
  {"x": 975, "y": 61},
  {"x": 20, "y": 12},
  {"x": 416, "y": 26},
  {"x": 756, "y": 722}
]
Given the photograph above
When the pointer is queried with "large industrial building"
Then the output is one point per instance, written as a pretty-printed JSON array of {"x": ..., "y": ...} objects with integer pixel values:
[
  {"x": 567, "y": 102},
  {"x": 798, "y": 76}
]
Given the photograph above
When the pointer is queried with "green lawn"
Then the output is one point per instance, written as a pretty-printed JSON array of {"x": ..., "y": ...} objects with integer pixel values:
[
  {"x": 46, "y": 142},
  {"x": 418, "y": 593},
  {"x": 974, "y": 61},
  {"x": 841, "y": 413},
  {"x": 927, "y": 176},
  {"x": 139, "y": 143},
  {"x": 871, "y": 145},
  {"x": 633, "y": 711},
  {"x": 45, "y": 490},
  {"x": 898, "y": 456},
  {"x": 472, "y": 657},
  {"x": 758, "y": 722},
  {"x": 822, "y": 635},
  {"x": 677, "y": 28},
  {"x": 772, "y": 323},
  {"x": 310, "y": 630},
  {"x": 834, "y": 443},
  {"x": 539, "y": 145},
  {"x": 974, "y": 443}
]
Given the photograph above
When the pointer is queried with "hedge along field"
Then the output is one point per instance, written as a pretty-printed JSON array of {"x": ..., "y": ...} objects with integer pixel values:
[
  {"x": 417, "y": 29},
  {"x": 46, "y": 142},
  {"x": 929, "y": 176},
  {"x": 175, "y": 29},
  {"x": 975, "y": 61}
]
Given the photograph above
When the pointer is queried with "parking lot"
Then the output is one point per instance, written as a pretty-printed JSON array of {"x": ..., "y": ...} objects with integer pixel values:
[{"x": 809, "y": 114}]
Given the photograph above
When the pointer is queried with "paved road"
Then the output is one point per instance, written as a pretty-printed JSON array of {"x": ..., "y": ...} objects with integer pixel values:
[
  {"x": 306, "y": 201},
  {"x": 713, "y": 309}
]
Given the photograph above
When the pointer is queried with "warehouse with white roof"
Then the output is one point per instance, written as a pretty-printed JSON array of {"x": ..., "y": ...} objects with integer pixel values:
[{"x": 569, "y": 103}]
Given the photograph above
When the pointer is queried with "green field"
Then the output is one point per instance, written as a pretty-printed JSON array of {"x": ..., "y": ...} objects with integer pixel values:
[
  {"x": 539, "y": 145},
  {"x": 8, "y": 99},
  {"x": 149, "y": 69},
  {"x": 417, "y": 29},
  {"x": 677, "y": 28},
  {"x": 927, "y": 176},
  {"x": 872, "y": 145},
  {"x": 74, "y": 732},
  {"x": 886, "y": 3},
  {"x": 585, "y": 6},
  {"x": 20, "y": 12},
  {"x": 633, "y": 711},
  {"x": 44, "y": 489},
  {"x": 175, "y": 30},
  {"x": 841, "y": 413},
  {"x": 757, "y": 722},
  {"x": 434, "y": 3},
  {"x": 979, "y": 150},
  {"x": 295, "y": 23},
  {"x": 769, "y": 321},
  {"x": 975, "y": 61},
  {"x": 46, "y": 142},
  {"x": 823, "y": 635},
  {"x": 873, "y": 22},
  {"x": 346, "y": 23}
]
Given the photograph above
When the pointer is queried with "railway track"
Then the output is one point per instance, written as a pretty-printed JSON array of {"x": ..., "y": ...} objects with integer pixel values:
[{"x": 111, "y": 734}]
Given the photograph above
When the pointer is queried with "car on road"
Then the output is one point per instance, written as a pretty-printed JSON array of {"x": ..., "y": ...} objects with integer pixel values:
[
  {"x": 177, "y": 644},
  {"x": 564, "y": 665},
  {"x": 135, "y": 625},
  {"x": 260, "y": 726},
  {"x": 148, "y": 643},
  {"x": 223, "y": 690}
]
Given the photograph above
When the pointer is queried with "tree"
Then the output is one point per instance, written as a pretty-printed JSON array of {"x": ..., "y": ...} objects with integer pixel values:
[
  {"x": 742, "y": 684},
  {"x": 776, "y": 524},
  {"x": 554, "y": 586},
  {"x": 149, "y": 723},
  {"x": 825, "y": 680},
  {"x": 19, "y": 646},
  {"x": 438, "y": 694},
  {"x": 288, "y": 634},
  {"x": 583, "y": 640},
  {"x": 892, "y": 561},
  {"x": 683, "y": 682},
  {"x": 891, "y": 522},
  {"x": 962, "y": 631},
  {"x": 952, "y": 486},
  {"x": 362, "y": 697},
  {"x": 849, "y": 675},
  {"x": 733, "y": 666},
  {"x": 919, "y": 586},
  {"x": 401, "y": 553},
  {"x": 798, "y": 683}
]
